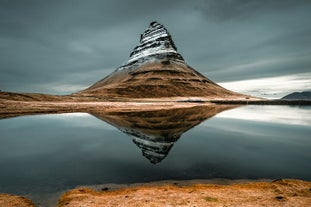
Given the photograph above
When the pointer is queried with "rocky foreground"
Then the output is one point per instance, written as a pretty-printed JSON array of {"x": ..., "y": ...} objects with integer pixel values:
[
  {"x": 276, "y": 193},
  {"x": 7, "y": 200}
]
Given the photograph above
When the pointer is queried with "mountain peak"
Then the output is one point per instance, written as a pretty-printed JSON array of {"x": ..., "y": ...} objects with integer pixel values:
[
  {"x": 157, "y": 42},
  {"x": 154, "y": 32},
  {"x": 156, "y": 70}
]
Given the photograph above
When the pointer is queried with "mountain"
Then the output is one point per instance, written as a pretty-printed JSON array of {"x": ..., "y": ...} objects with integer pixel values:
[
  {"x": 155, "y": 70},
  {"x": 305, "y": 95},
  {"x": 156, "y": 131}
]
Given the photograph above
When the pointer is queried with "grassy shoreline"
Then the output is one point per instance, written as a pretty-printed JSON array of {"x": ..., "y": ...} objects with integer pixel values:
[
  {"x": 212, "y": 192},
  {"x": 13, "y": 108}
]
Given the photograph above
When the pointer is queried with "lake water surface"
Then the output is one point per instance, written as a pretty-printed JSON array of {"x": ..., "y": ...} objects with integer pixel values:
[{"x": 49, "y": 153}]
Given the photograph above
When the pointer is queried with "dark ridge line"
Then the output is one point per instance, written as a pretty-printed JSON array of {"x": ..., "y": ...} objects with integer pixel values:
[{"x": 262, "y": 102}]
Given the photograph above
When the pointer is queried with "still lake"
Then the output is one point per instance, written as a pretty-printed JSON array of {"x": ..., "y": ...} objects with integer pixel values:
[{"x": 54, "y": 152}]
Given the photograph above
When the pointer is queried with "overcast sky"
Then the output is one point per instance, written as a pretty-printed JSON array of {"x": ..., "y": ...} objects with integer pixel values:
[{"x": 62, "y": 46}]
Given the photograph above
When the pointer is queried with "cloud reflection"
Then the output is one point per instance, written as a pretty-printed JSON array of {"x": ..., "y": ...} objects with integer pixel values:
[
  {"x": 74, "y": 119},
  {"x": 271, "y": 114}
]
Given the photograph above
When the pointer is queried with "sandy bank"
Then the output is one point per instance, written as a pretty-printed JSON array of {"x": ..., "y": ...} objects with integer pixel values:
[
  {"x": 182, "y": 193},
  {"x": 275, "y": 193},
  {"x": 7, "y": 200},
  {"x": 20, "y": 108}
]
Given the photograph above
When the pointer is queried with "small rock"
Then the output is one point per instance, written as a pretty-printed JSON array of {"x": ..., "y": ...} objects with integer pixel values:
[
  {"x": 105, "y": 189},
  {"x": 279, "y": 197},
  {"x": 276, "y": 180}
]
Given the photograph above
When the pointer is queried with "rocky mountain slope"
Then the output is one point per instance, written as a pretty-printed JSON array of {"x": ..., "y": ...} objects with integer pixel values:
[{"x": 155, "y": 70}]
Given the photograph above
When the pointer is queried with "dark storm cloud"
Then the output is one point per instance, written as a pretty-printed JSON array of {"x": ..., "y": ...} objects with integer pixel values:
[
  {"x": 50, "y": 41},
  {"x": 230, "y": 9},
  {"x": 62, "y": 46},
  {"x": 240, "y": 33}
]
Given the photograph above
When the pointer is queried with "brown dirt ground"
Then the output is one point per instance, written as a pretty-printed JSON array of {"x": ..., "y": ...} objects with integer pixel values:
[
  {"x": 280, "y": 192},
  {"x": 275, "y": 193},
  {"x": 7, "y": 200},
  {"x": 19, "y": 108},
  {"x": 157, "y": 80}
]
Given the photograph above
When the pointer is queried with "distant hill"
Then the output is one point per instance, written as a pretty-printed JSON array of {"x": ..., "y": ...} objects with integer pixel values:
[{"x": 305, "y": 95}]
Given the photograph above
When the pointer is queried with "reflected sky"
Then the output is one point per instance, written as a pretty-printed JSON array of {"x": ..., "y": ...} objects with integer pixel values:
[
  {"x": 288, "y": 115},
  {"x": 48, "y": 153}
]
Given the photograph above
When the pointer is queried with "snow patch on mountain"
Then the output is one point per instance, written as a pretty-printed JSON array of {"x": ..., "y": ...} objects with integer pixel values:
[{"x": 155, "y": 44}]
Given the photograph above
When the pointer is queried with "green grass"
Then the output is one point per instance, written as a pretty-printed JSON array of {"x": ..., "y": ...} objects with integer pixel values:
[{"x": 210, "y": 199}]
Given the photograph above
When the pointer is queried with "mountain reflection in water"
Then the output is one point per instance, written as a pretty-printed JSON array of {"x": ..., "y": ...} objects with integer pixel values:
[
  {"x": 155, "y": 132},
  {"x": 45, "y": 154}
]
